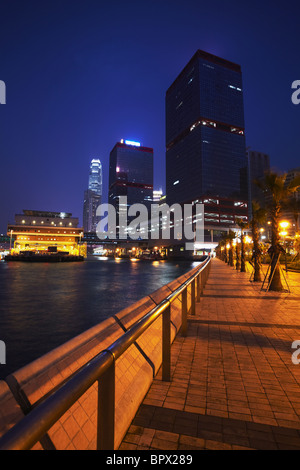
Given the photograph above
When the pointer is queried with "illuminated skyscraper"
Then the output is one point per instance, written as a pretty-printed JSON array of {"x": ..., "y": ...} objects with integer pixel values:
[
  {"x": 205, "y": 143},
  {"x": 95, "y": 177},
  {"x": 92, "y": 197},
  {"x": 131, "y": 174}
]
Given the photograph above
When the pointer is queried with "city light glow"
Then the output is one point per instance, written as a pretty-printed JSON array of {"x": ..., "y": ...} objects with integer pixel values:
[{"x": 132, "y": 142}]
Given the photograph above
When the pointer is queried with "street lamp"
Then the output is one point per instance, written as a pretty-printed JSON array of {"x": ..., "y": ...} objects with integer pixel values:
[{"x": 284, "y": 225}]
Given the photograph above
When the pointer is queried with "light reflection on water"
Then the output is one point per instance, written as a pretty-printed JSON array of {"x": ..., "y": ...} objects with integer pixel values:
[{"x": 43, "y": 305}]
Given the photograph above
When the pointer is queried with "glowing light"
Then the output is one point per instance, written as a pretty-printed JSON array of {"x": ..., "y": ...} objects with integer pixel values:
[
  {"x": 132, "y": 142},
  {"x": 284, "y": 224}
]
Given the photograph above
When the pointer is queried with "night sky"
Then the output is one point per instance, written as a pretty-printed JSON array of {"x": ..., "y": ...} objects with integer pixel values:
[{"x": 82, "y": 74}]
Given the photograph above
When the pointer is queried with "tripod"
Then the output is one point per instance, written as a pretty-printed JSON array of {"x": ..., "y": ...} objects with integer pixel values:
[{"x": 271, "y": 277}]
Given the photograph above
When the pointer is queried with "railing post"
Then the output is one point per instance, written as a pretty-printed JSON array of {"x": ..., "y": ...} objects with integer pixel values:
[
  {"x": 184, "y": 312},
  {"x": 106, "y": 410},
  {"x": 166, "y": 344},
  {"x": 199, "y": 287},
  {"x": 193, "y": 298}
]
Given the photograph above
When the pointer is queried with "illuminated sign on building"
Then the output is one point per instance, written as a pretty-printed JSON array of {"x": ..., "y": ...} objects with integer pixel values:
[{"x": 131, "y": 142}]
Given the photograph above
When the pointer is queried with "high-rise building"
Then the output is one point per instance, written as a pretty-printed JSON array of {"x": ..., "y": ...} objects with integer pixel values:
[
  {"x": 258, "y": 165},
  {"x": 95, "y": 177},
  {"x": 130, "y": 175},
  {"x": 205, "y": 141},
  {"x": 92, "y": 196}
]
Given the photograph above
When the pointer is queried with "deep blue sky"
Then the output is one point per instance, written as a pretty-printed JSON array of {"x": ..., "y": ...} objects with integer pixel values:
[{"x": 82, "y": 74}]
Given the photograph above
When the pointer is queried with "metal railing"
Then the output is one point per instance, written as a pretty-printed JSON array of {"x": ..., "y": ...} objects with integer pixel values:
[{"x": 31, "y": 429}]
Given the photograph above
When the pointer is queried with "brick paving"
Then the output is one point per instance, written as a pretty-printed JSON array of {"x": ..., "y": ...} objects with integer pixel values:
[{"x": 233, "y": 385}]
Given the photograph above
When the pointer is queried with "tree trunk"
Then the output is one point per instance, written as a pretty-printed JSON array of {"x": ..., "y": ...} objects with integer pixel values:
[
  {"x": 256, "y": 252},
  {"x": 275, "y": 278},
  {"x": 231, "y": 255},
  {"x": 237, "y": 257},
  {"x": 225, "y": 255},
  {"x": 243, "y": 263}
]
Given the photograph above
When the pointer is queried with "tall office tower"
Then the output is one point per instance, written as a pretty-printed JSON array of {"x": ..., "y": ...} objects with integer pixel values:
[
  {"x": 92, "y": 196},
  {"x": 95, "y": 177},
  {"x": 205, "y": 142},
  {"x": 130, "y": 175},
  {"x": 258, "y": 165}
]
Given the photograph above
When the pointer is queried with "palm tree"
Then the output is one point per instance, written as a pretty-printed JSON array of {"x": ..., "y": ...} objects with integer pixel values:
[
  {"x": 243, "y": 226},
  {"x": 277, "y": 190},
  {"x": 258, "y": 218},
  {"x": 237, "y": 257},
  {"x": 223, "y": 243},
  {"x": 230, "y": 238},
  {"x": 292, "y": 205}
]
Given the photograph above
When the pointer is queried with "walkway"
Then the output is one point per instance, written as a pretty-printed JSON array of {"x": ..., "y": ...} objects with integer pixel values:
[{"x": 234, "y": 385}]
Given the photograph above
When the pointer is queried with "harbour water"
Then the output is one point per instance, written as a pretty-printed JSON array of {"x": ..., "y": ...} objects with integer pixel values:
[{"x": 43, "y": 305}]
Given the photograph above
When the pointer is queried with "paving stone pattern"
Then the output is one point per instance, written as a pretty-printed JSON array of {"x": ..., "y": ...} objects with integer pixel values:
[{"x": 233, "y": 385}]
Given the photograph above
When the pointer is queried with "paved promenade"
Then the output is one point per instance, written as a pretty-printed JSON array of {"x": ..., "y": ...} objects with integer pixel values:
[{"x": 233, "y": 385}]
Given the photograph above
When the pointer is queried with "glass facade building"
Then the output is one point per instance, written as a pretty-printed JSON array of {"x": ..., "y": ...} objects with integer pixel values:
[
  {"x": 205, "y": 140},
  {"x": 92, "y": 196},
  {"x": 95, "y": 177},
  {"x": 131, "y": 175}
]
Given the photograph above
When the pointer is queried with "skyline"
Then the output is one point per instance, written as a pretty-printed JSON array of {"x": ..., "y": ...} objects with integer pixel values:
[{"x": 94, "y": 75}]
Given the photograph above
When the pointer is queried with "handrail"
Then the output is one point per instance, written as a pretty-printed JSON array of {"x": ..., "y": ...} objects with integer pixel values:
[{"x": 27, "y": 432}]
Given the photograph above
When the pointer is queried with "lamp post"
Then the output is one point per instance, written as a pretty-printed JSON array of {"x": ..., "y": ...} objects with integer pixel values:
[{"x": 284, "y": 225}]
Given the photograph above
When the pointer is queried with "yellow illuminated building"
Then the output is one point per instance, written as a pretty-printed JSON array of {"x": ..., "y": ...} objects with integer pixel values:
[{"x": 46, "y": 232}]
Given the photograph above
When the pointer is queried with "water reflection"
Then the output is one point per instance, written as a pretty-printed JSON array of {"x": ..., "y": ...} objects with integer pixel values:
[{"x": 44, "y": 305}]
